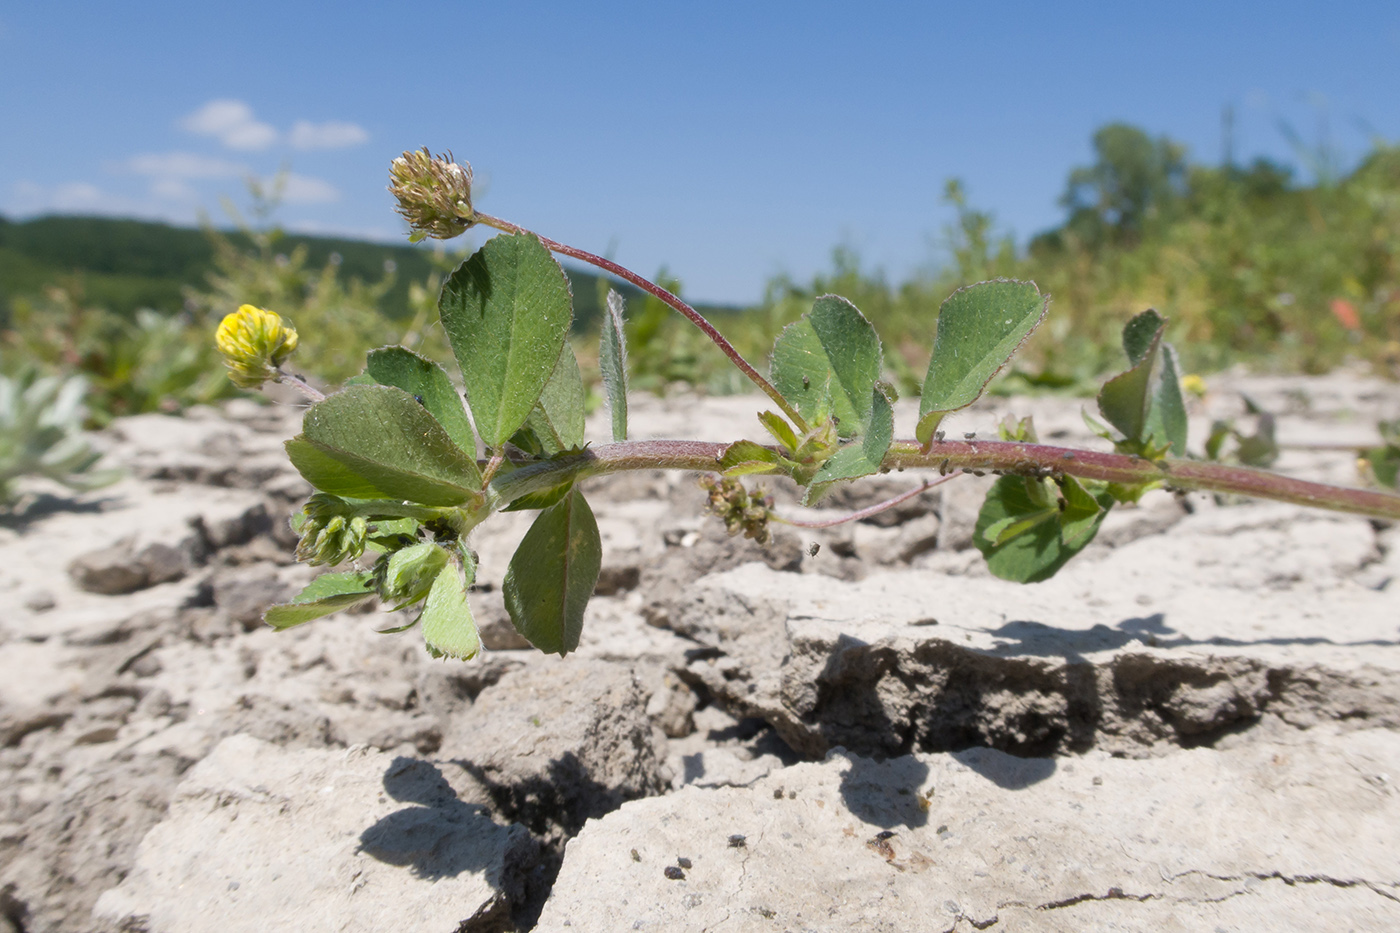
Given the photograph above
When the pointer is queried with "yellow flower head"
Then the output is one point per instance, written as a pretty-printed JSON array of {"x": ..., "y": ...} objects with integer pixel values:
[
  {"x": 434, "y": 194},
  {"x": 254, "y": 344},
  {"x": 1194, "y": 384}
]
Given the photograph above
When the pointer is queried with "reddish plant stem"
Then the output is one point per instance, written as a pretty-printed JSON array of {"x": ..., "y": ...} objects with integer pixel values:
[
  {"x": 1331, "y": 448},
  {"x": 868, "y": 511},
  {"x": 651, "y": 288},
  {"x": 991, "y": 456}
]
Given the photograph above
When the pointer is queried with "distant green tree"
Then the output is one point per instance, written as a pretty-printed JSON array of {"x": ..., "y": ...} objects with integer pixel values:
[{"x": 1135, "y": 180}]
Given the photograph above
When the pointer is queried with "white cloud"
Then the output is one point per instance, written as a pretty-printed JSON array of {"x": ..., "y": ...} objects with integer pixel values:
[
  {"x": 372, "y": 234},
  {"x": 183, "y": 165},
  {"x": 74, "y": 197},
  {"x": 330, "y": 135},
  {"x": 302, "y": 189},
  {"x": 231, "y": 122},
  {"x": 173, "y": 189}
]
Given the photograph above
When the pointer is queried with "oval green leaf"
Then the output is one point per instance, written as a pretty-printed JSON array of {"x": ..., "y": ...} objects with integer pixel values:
[
  {"x": 552, "y": 574},
  {"x": 328, "y": 593},
  {"x": 448, "y": 627},
  {"x": 980, "y": 327},
  {"x": 861, "y": 458},
  {"x": 506, "y": 311},
  {"x": 557, "y": 419},
  {"x": 428, "y": 383},
  {"x": 383, "y": 438},
  {"x": 827, "y": 362},
  {"x": 1022, "y": 539},
  {"x": 612, "y": 360}
]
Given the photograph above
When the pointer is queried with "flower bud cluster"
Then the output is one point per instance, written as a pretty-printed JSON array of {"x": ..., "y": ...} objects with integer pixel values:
[
  {"x": 329, "y": 533},
  {"x": 434, "y": 194},
  {"x": 740, "y": 510},
  {"x": 254, "y": 344},
  {"x": 409, "y": 572}
]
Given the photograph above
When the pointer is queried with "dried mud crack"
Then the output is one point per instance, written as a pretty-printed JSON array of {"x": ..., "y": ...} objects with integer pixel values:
[{"x": 1210, "y": 697}]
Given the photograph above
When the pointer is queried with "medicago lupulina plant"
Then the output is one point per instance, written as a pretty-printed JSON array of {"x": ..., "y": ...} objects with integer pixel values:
[{"x": 400, "y": 486}]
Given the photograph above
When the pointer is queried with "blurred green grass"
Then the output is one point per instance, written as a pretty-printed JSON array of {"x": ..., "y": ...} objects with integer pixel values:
[{"x": 1251, "y": 265}]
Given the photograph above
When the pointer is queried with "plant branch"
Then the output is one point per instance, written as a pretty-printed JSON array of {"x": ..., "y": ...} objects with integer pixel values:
[
  {"x": 991, "y": 456},
  {"x": 868, "y": 511},
  {"x": 300, "y": 385},
  {"x": 695, "y": 317}
]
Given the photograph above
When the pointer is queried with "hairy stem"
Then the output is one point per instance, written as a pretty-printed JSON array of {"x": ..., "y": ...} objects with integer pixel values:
[
  {"x": 695, "y": 317},
  {"x": 301, "y": 385},
  {"x": 991, "y": 456},
  {"x": 868, "y": 511}
]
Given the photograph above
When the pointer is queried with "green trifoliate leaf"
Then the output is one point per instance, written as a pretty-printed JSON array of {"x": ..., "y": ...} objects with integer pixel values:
[
  {"x": 411, "y": 572},
  {"x": 557, "y": 419},
  {"x": 1220, "y": 432},
  {"x": 428, "y": 383},
  {"x": 980, "y": 327},
  {"x": 744, "y": 458},
  {"x": 506, "y": 311},
  {"x": 1081, "y": 515},
  {"x": 448, "y": 627},
  {"x": 1259, "y": 449},
  {"x": 612, "y": 360},
  {"x": 552, "y": 575},
  {"x": 1125, "y": 399},
  {"x": 827, "y": 362},
  {"x": 1145, "y": 403},
  {"x": 1166, "y": 420},
  {"x": 542, "y": 499},
  {"x": 782, "y": 432},
  {"x": 325, "y": 472},
  {"x": 1003, "y": 530},
  {"x": 1381, "y": 464},
  {"x": 1141, "y": 335},
  {"x": 1026, "y": 535},
  {"x": 328, "y": 593},
  {"x": 861, "y": 458},
  {"x": 1019, "y": 430},
  {"x": 378, "y": 442}
]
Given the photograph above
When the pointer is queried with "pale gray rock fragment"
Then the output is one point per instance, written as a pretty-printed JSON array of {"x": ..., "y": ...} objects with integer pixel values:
[
  {"x": 82, "y": 840},
  {"x": 245, "y": 593},
  {"x": 672, "y": 704},
  {"x": 555, "y": 743},
  {"x": 726, "y": 752},
  {"x": 493, "y": 623},
  {"x": 1289, "y": 837},
  {"x": 262, "y": 838},
  {"x": 1269, "y": 627},
  {"x": 123, "y": 568}
]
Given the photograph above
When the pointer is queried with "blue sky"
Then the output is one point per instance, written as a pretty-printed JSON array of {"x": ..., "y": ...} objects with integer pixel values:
[{"x": 728, "y": 141}]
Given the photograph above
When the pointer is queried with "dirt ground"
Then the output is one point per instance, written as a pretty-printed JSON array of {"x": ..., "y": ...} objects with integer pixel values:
[{"x": 1194, "y": 726}]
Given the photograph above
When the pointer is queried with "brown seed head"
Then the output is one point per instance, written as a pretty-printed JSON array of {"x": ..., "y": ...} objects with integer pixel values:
[{"x": 434, "y": 194}]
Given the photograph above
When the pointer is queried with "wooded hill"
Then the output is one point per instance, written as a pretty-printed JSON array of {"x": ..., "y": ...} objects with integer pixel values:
[{"x": 123, "y": 265}]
